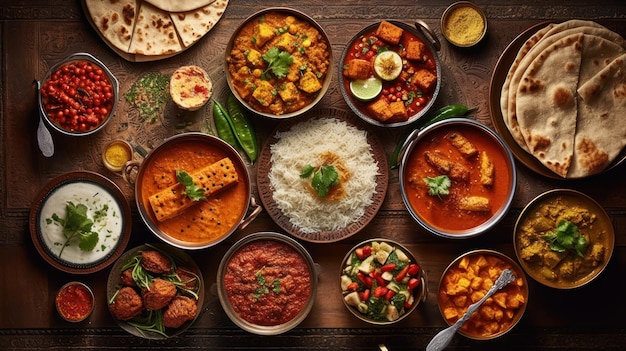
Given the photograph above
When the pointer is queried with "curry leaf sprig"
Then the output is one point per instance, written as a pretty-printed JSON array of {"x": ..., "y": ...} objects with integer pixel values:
[
  {"x": 438, "y": 186},
  {"x": 278, "y": 62},
  {"x": 324, "y": 178},
  {"x": 77, "y": 225},
  {"x": 565, "y": 238},
  {"x": 192, "y": 191}
]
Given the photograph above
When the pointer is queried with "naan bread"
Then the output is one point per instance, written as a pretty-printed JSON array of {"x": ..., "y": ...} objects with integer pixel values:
[
  {"x": 179, "y": 5},
  {"x": 539, "y": 101},
  {"x": 601, "y": 131},
  {"x": 114, "y": 19},
  {"x": 154, "y": 33},
  {"x": 193, "y": 25},
  {"x": 546, "y": 103}
]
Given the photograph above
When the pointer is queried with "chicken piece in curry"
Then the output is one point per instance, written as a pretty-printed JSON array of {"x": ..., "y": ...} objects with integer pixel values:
[{"x": 278, "y": 63}]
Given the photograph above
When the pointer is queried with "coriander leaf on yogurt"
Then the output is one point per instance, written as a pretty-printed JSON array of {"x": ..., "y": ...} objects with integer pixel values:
[{"x": 77, "y": 226}]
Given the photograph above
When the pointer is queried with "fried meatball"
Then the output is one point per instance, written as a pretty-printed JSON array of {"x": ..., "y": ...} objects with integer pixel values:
[
  {"x": 158, "y": 294},
  {"x": 179, "y": 311},
  {"x": 127, "y": 278},
  {"x": 126, "y": 305},
  {"x": 187, "y": 277},
  {"x": 155, "y": 262}
]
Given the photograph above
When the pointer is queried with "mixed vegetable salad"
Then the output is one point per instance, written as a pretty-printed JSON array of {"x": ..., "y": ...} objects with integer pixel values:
[{"x": 380, "y": 281}]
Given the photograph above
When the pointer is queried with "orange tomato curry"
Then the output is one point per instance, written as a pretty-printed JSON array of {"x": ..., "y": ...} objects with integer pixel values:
[
  {"x": 472, "y": 200},
  {"x": 209, "y": 219}
]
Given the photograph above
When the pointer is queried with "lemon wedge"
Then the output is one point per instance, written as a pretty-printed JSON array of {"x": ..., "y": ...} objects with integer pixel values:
[
  {"x": 388, "y": 65},
  {"x": 366, "y": 89}
]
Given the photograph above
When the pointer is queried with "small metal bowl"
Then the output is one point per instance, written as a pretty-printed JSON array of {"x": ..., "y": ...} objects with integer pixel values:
[
  {"x": 258, "y": 17},
  {"x": 458, "y": 14},
  {"x": 114, "y": 89},
  {"x": 534, "y": 222},
  {"x": 418, "y": 293},
  {"x": 223, "y": 291},
  {"x": 488, "y": 269},
  {"x": 413, "y": 168},
  {"x": 74, "y": 302},
  {"x": 115, "y": 154}
]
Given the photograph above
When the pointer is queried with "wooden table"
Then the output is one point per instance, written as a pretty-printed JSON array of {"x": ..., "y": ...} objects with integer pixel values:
[{"x": 37, "y": 34}]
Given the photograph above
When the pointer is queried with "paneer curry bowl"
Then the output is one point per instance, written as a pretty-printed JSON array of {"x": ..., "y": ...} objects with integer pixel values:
[
  {"x": 563, "y": 239},
  {"x": 457, "y": 178},
  {"x": 193, "y": 191},
  {"x": 390, "y": 74},
  {"x": 279, "y": 63},
  {"x": 467, "y": 279}
]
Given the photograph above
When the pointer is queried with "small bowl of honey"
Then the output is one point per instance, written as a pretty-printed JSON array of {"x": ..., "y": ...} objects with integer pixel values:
[{"x": 115, "y": 154}]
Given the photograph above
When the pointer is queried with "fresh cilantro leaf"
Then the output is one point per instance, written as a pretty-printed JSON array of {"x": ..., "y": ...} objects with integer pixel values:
[
  {"x": 77, "y": 224},
  {"x": 278, "y": 62},
  {"x": 565, "y": 238},
  {"x": 438, "y": 186},
  {"x": 324, "y": 178},
  {"x": 306, "y": 171},
  {"x": 191, "y": 189}
]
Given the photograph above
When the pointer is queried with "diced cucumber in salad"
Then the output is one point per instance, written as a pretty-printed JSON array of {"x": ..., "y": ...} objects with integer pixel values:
[{"x": 380, "y": 281}]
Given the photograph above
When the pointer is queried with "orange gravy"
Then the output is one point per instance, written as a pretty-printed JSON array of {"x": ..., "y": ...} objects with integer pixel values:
[
  {"x": 444, "y": 213},
  {"x": 208, "y": 220}
]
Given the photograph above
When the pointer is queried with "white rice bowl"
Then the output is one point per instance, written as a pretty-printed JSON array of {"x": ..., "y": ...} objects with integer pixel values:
[{"x": 304, "y": 144}]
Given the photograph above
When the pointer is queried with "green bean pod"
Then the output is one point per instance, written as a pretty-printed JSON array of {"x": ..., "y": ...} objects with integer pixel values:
[
  {"x": 242, "y": 128},
  {"x": 449, "y": 111},
  {"x": 222, "y": 125}
]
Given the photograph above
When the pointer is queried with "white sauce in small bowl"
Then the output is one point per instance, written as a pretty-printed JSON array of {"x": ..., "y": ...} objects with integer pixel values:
[{"x": 109, "y": 227}]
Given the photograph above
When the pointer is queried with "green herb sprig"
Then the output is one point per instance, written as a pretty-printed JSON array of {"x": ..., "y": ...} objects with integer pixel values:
[
  {"x": 324, "y": 178},
  {"x": 77, "y": 225},
  {"x": 565, "y": 238},
  {"x": 264, "y": 288},
  {"x": 278, "y": 62},
  {"x": 192, "y": 191},
  {"x": 438, "y": 186}
]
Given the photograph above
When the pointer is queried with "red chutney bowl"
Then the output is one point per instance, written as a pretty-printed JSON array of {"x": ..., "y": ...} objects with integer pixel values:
[
  {"x": 267, "y": 283},
  {"x": 74, "y": 301}
]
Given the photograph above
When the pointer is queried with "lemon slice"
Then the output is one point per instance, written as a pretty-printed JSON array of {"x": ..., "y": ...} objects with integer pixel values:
[
  {"x": 388, "y": 65},
  {"x": 366, "y": 89}
]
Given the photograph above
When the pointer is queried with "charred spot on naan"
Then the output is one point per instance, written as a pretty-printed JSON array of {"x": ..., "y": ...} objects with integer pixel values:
[{"x": 591, "y": 158}]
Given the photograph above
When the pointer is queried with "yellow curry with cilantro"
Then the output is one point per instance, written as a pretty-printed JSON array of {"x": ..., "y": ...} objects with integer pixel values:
[
  {"x": 278, "y": 63},
  {"x": 562, "y": 241}
]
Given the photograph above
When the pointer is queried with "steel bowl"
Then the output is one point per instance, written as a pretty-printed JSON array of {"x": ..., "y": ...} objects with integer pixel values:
[
  {"x": 258, "y": 16},
  {"x": 448, "y": 15},
  {"x": 487, "y": 271},
  {"x": 411, "y": 160},
  {"x": 418, "y": 294},
  {"x": 69, "y": 290},
  {"x": 207, "y": 144},
  {"x": 82, "y": 56},
  {"x": 422, "y": 32},
  {"x": 223, "y": 291}
]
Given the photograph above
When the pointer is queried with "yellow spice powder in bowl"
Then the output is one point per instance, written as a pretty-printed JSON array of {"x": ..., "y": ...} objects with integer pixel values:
[{"x": 463, "y": 24}]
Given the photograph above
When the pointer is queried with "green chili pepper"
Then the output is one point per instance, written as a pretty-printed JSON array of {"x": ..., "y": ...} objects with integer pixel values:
[
  {"x": 242, "y": 128},
  {"x": 224, "y": 130},
  {"x": 449, "y": 111}
]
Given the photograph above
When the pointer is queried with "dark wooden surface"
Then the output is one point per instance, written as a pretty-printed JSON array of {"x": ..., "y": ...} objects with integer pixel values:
[{"x": 37, "y": 34}]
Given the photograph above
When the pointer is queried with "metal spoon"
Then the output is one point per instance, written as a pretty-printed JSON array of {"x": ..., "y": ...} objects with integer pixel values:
[
  {"x": 443, "y": 338},
  {"x": 44, "y": 138}
]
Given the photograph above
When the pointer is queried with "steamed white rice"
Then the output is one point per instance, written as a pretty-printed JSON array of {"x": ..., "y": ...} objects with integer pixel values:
[{"x": 304, "y": 144}]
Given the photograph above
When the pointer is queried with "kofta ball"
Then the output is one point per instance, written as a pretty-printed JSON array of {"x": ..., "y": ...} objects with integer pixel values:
[
  {"x": 155, "y": 262},
  {"x": 180, "y": 310},
  {"x": 127, "y": 304},
  {"x": 158, "y": 294}
]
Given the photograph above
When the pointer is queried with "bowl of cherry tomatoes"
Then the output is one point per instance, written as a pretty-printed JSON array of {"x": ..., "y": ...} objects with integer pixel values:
[{"x": 78, "y": 95}]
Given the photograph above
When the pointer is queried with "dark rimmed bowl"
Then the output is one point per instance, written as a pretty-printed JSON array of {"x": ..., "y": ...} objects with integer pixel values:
[
  {"x": 418, "y": 293},
  {"x": 518, "y": 286},
  {"x": 425, "y": 34},
  {"x": 505, "y": 187},
  {"x": 292, "y": 12},
  {"x": 225, "y": 300},
  {"x": 570, "y": 200},
  {"x": 81, "y": 56}
]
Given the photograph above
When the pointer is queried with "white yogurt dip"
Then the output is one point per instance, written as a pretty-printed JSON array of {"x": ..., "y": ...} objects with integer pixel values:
[{"x": 96, "y": 198}]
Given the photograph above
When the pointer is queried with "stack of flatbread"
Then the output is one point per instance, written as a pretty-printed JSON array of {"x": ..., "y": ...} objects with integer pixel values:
[
  {"x": 564, "y": 97},
  {"x": 154, "y": 28}
]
